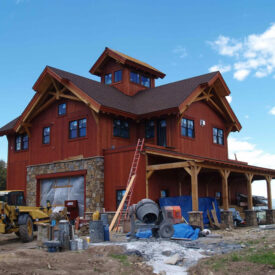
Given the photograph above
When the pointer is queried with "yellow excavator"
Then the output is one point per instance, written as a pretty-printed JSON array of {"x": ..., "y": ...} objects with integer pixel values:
[{"x": 18, "y": 218}]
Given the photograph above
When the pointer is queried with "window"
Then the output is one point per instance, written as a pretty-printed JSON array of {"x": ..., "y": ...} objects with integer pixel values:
[
  {"x": 218, "y": 136},
  {"x": 119, "y": 196},
  {"x": 62, "y": 109},
  {"x": 21, "y": 142},
  {"x": 149, "y": 129},
  {"x": 187, "y": 128},
  {"x": 78, "y": 128},
  {"x": 118, "y": 76},
  {"x": 121, "y": 128},
  {"x": 145, "y": 81},
  {"x": 134, "y": 77},
  {"x": 46, "y": 135},
  {"x": 108, "y": 78}
]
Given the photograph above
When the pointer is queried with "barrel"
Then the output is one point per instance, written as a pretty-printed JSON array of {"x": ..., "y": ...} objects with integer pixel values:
[
  {"x": 106, "y": 233},
  {"x": 147, "y": 211},
  {"x": 96, "y": 231},
  {"x": 73, "y": 245}
]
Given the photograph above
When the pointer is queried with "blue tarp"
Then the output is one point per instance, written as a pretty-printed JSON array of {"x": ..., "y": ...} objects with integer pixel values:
[
  {"x": 185, "y": 203},
  {"x": 182, "y": 230}
]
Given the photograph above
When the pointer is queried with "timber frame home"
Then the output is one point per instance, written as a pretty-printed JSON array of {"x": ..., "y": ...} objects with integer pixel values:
[{"x": 79, "y": 133}]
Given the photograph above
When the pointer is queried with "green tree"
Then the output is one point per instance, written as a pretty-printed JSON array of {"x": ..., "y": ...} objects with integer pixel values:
[{"x": 3, "y": 175}]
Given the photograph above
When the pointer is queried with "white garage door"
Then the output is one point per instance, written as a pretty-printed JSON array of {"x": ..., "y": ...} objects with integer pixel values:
[{"x": 61, "y": 189}]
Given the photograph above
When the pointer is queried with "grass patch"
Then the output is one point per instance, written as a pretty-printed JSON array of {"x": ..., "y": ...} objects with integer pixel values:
[
  {"x": 262, "y": 257},
  {"x": 235, "y": 257},
  {"x": 121, "y": 258}
]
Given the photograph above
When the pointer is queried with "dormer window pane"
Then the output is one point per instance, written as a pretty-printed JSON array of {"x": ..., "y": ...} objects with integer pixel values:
[
  {"x": 134, "y": 77},
  {"x": 145, "y": 81},
  {"x": 118, "y": 76},
  {"x": 108, "y": 78}
]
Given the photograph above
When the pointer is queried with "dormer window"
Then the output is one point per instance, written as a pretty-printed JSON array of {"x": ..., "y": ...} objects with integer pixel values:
[
  {"x": 108, "y": 79},
  {"x": 140, "y": 79},
  {"x": 118, "y": 76},
  {"x": 134, "y": 77},
  {"x": 145, "y": 81}
]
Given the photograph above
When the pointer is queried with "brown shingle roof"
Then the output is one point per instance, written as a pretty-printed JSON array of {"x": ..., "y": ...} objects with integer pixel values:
[
  {"x": 8, "y": 127},
  {"x": 147, "y": 101}
]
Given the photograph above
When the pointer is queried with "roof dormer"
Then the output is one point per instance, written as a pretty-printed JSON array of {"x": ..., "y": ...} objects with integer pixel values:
[{"x": 125, "y": 73}]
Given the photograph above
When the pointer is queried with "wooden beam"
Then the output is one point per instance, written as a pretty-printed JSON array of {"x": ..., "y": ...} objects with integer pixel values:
[
  {"x": 43, "y": 107},
  {"x": 95, "y": 116},
  {"x": 149, "y": 174},
  {"x": 179, "y": 188},
  {"x": 225, "y": 174},
  {"x": 249, "y": 178},
  {"x": 269, "y": 194},
  {"x": 168, "y": 166},
  {"x": 70, "y": 97},
  {"x": 122, "y": 203}
]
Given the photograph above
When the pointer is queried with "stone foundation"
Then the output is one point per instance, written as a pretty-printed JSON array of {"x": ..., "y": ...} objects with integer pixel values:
[
  {"x": 251, "y": 218},
  {"x": 226, "y": 219},
  {"x": 270, "y": 216},
  {"x": 196, "y": 219},
  {"x": 94, "y": 179}
]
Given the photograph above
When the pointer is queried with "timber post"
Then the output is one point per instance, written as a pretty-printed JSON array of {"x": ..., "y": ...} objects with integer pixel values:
[
  {"x": 225, "y": 174},
  {"x": 269, "y": 195},
  {"x": 249, "y": 178}
]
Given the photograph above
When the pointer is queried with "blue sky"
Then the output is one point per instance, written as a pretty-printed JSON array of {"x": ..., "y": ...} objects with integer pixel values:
[{"x": 180, "y": 38}]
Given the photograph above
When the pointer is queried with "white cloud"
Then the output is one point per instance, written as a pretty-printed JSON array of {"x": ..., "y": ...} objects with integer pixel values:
[
  {"x": 272, "y": 111},
  {"x": 229, "y": 98},
  {"x": 220, "y": 67},
  {"x": 241, "y": 74},
  {"x": 249, "y": 152},
  {"x": 181, "y": 51},
  {"x": 254, "y": 53},
  {"x": 226, "y": 46}
]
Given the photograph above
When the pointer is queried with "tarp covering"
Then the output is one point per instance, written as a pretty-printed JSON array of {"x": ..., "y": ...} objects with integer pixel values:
[
  {"x": 181, "y": 231},
  {"x": 60, "y": 189},
  {"x": 185, "y": 203}
]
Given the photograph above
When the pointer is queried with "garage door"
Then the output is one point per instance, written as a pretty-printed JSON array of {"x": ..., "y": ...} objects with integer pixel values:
[{"x": 61, "y": 189}]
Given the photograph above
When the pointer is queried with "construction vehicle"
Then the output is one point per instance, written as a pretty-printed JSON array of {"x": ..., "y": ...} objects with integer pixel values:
[{"x": 18, "y": 218}]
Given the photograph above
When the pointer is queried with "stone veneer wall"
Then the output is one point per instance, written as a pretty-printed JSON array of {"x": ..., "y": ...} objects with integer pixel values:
[{"x": 94, "y": 179}]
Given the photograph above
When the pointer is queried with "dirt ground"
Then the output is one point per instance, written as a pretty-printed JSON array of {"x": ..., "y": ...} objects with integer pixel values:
[{"x": 19, "y": 258}]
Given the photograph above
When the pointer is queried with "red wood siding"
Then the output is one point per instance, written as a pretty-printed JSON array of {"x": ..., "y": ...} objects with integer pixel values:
[{"x": 117, "y": 166}]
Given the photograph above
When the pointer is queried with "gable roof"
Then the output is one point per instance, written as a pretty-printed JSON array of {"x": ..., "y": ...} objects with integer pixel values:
[
  {"x": 152, "y": 100},
  {"x": 124, "y": 59}
]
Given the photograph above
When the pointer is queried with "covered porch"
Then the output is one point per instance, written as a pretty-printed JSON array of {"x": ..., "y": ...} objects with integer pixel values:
[{"x": 172, "y": 173}]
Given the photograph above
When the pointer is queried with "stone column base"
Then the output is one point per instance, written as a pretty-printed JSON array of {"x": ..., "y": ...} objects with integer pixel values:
[
  {"x": 251, "y": 218},
  {"x": 270, "y": 216},
  {"x": 226, "y": 219},
  {"x": 196, "y": 219}
]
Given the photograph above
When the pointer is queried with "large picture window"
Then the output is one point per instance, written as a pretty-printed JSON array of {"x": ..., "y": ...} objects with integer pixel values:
[
  {"x": 108, "y": 78},
  {"x": 218, "y": 136},
  {"x": 121, "y": 128},
  {"x": 118, "y": 76},
  {"x": 140, "y": 79},
  {"x": 187, "y": 128},
  {"x": 78, "y": 128},
  {"x": 21, "y": 142}
]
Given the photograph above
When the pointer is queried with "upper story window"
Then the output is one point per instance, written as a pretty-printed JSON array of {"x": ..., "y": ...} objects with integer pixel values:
[
  {"x": 108, "y": 78},
  {"x": 78, "y": 128},
  {"x": 187, "y": 128},
  {"x": 118, "y": 76},
  {"x": 145, "y": 81},
  {"x": 140, "y": 79},
  {"x": 46, "y": 135},
  {"x": 121, "y": 128},
  {"x": 62, "y": 109},
  {"x": 21, "y": 142},
  {"x": 149, "y": 129},
  {"x": 134, "y": 77},
  {"x": 218, "y": 136}
]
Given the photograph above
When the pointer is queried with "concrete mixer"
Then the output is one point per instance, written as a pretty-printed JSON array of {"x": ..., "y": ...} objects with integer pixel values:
[{"x": 146, "y": 214}]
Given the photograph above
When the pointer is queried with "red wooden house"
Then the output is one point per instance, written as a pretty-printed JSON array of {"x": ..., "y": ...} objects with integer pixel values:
[{"x": 76, "y": 138}]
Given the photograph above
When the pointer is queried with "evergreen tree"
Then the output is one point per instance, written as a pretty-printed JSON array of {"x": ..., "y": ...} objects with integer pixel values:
[{"x": 3, "y": 175}]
